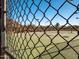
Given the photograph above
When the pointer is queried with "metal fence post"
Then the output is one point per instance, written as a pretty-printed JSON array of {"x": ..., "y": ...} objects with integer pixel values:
[{"x": 1, "y": 28}]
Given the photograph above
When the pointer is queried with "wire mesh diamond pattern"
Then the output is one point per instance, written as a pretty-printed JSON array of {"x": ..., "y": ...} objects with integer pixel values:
[{"x": 43, "y": 29}]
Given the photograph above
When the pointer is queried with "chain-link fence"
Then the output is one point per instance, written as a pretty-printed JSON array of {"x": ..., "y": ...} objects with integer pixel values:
[{"x": 43, "y": 29}]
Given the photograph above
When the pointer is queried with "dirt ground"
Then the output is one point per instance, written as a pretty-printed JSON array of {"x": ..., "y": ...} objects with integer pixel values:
[{"x": 34, "y": 44}]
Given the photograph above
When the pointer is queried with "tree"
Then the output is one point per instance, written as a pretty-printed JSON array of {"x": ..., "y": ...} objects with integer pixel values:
[
  {"x": 57, "y": 25},
  {"x": 71, "y": 29}
]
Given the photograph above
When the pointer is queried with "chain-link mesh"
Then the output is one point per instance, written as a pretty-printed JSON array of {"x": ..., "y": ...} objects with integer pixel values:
[{"x": 43, "y": 29}]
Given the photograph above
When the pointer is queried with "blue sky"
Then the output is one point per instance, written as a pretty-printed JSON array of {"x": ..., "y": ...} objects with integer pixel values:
[{"x": 24, "y": 15}]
